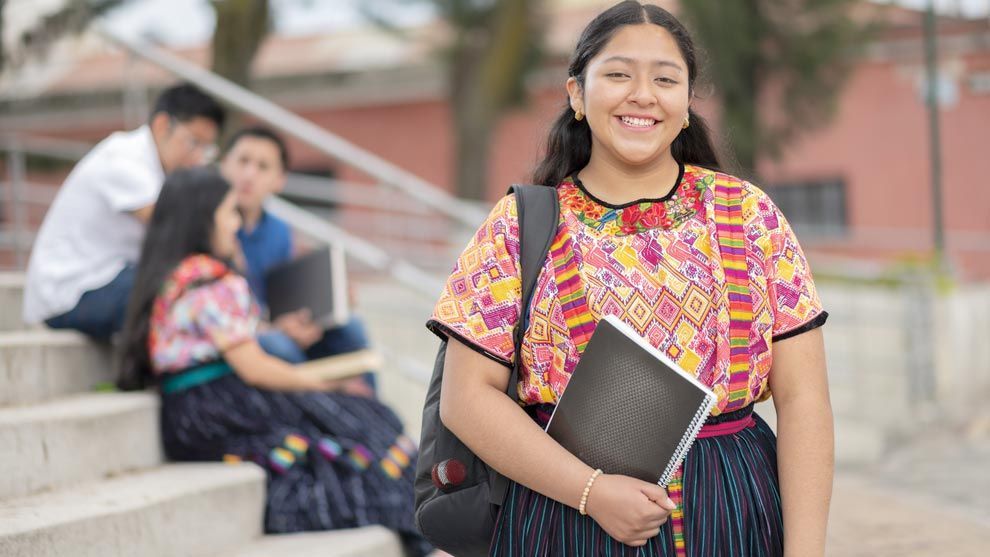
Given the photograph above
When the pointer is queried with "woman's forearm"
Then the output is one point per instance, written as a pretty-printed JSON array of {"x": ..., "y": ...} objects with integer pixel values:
[
  {"x": 259, "y": 369},
  {"x": 805, "y": 457},
  {"x": 504, "y": 436}
]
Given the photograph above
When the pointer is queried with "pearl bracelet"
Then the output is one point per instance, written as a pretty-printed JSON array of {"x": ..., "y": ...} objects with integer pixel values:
[{"x": 587, "y": 490}]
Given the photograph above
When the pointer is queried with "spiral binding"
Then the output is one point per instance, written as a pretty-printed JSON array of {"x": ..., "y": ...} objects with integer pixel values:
[{"x": 688, "y": 439}]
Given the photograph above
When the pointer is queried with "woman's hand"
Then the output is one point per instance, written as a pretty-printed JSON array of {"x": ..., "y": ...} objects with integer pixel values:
[
  {"x": 300, "y": 327},
  {"x": 630, "y": 510},
  {"x": 354, "y": 386}
]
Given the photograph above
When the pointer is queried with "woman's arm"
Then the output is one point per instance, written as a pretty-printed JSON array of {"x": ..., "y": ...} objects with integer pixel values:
[
  {"x": 805, "y": 440},
  {"x": 259, "y": 369},
  {"x": 474, "y": 406}
]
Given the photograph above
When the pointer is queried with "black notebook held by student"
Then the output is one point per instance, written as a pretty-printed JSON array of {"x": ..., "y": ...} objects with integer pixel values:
[
  {"x": 316, "y": 281},
  {"x": 628, "y": 408}
]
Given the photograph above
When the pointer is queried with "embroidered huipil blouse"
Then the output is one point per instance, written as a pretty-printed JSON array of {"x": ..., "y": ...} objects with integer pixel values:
[{"x": 653, "y": 263}]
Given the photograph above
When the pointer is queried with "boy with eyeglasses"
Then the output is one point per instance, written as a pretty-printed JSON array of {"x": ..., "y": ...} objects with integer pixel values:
[{"x": 82, "y": 264}]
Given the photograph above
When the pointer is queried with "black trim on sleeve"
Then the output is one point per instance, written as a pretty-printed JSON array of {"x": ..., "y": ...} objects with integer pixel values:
[
  {"x": 445, "y": 333},
  {"x": 814, "y": 323}
]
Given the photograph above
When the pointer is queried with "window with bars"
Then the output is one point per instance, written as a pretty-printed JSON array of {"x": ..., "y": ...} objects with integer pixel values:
[{"x": 816, "y": 209}]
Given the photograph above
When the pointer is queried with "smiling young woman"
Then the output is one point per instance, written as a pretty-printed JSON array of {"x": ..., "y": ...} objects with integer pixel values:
[{"x": 701, "y": 264}]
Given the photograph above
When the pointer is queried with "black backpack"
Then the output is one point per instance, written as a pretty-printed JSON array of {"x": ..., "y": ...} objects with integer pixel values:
[{"x": 457, "y": 494}]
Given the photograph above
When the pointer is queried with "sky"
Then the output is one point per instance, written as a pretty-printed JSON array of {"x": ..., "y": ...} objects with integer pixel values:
[{"x": 186, "y": 22}]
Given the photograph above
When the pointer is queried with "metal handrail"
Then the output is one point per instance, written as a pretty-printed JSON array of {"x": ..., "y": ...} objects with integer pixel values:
[{"x": 361, "y": 250}]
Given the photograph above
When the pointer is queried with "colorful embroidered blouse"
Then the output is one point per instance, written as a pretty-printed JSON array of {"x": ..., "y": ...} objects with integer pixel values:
[
  {"x": 655, "y": 264},
  {"x": 203, "y": 309}
]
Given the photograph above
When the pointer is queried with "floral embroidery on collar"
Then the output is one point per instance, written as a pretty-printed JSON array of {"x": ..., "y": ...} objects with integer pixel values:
[
  {"x": 193, "y": 270},
  {"x": 665, "y": 213}
]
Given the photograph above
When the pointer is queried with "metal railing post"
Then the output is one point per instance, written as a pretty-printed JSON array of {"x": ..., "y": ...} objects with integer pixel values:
[{"x": 16, "y": 172}]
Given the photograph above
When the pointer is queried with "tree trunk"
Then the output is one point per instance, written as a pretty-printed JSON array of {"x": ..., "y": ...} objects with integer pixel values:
[
  {"x": 487, "y": 73},
  {"x": 242, "y": 26}
]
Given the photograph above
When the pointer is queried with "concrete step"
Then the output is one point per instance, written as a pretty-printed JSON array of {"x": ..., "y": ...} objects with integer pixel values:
[
  {"x": 11, "y": 300},
  {"x": 42, "y": 365},
  {"x": 395, "y": 317},
  {"x": 359, "y": 542},
  {"x": 77, "y": 439},
  {"x": 178, "y": 509}
]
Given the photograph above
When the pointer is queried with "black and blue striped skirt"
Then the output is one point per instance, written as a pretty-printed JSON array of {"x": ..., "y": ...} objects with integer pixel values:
[
  {"x": 333, "y": 460},
  {"x": 728, "y": 506}
]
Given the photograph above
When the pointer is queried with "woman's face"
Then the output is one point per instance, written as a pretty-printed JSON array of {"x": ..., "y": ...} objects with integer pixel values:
[
  {"x": 226, "y": 223},
  {"x": 635, "y": 95}
]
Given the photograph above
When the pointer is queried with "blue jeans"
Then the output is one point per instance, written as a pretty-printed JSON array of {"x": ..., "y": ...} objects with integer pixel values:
[
  {"x": 339, "y": 340},
  {"x": 280, "y": 345},
  {"x": 100, "y": 313}
]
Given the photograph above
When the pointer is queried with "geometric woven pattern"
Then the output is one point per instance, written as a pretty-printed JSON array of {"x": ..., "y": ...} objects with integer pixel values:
[{"x": 667, "y": 283}]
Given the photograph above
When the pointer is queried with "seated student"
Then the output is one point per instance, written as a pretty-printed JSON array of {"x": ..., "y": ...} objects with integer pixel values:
[
  {"x": 81, "y": 268},
  {"x": 255, "y": 161},
  {"x": 335, "y": 459}
]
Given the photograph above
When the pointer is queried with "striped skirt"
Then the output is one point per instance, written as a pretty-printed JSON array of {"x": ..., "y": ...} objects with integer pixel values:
[
  {"x": 333, "y": 460},
  {"x": 728, "y": 506}
]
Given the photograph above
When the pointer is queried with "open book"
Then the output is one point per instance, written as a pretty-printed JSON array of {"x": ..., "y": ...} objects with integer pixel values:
[
  {"x": 628, "y": 408},
  {"x": 316, "y": 281},
  {"x": 343, "y": 366}
]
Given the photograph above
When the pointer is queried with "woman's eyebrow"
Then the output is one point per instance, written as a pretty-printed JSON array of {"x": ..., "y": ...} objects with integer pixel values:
[{"x": 627, "y": 60}]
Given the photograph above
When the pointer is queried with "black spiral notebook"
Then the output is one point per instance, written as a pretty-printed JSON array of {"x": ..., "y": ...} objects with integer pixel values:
[
  {"x": 628, "y": 408},
  {"x": 316, "y": 281}
]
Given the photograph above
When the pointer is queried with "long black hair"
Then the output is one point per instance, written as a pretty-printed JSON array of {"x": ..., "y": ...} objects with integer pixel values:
[
  {"x": 181, "y": 225},
  {"x": 568, "y": 147}
]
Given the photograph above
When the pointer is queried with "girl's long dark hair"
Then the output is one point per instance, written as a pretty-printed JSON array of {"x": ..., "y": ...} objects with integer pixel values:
[
  {"x": 568, "y": 147},
  {"x": 181, "y": 225}
]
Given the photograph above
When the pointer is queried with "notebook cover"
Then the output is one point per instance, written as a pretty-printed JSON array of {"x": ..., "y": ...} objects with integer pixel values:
[
  {"x": 316, "y": 280},
  {"x": 626, "y": 409}
]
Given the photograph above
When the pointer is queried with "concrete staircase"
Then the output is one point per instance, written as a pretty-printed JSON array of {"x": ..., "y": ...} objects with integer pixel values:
[{"x": 83, "y": 472}]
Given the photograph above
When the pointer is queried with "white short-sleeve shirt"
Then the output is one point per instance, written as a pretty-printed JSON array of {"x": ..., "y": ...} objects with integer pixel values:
[{"x": 89, "y": 233}]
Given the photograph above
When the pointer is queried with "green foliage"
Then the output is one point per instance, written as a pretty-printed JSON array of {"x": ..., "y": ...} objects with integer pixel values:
[
  {"x": 797, "y": 53},
  {"x": 70, "y": 19}
]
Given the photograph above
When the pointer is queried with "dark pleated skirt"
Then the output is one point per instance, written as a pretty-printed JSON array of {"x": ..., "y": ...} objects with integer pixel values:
[
  {"x": 731, "y": 505},
  {"x": 333, "y": 460}
]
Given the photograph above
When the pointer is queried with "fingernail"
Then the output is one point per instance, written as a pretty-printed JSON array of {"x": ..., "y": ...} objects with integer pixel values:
[{"x": 671, "y": 504}]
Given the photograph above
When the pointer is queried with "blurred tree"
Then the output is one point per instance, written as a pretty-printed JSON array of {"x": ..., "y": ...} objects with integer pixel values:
[
  {"x": 797, "y": 53},
  {"x": 495, "y": 45},
  {"x": 72, "y": 18},
  {"x": 242, "y": 25}
]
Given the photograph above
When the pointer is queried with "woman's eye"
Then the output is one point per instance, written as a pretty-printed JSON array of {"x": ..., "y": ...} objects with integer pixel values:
[
  {"x": 667, "y": 81},
  {"x": 616, "y": 74}
]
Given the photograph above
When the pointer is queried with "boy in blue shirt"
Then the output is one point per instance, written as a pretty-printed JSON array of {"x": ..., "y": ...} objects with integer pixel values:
[{"x": 255, "y": 163}]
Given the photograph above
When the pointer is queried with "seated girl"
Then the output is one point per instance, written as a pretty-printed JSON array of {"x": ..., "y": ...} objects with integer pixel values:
[{"x": 335, "y": 457}]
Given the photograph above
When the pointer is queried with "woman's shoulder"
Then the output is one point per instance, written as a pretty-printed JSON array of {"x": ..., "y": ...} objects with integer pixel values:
[
  {"x": 502, "y": 220},
  {"x": 199, "y": 268},
  {"x": 204, "y": 275},
  {"x": 755, "y": 202},
  {"x": 720, "y": 178}
]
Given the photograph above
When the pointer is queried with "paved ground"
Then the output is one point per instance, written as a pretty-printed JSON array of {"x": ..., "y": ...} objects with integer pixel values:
[{"x": 931, "y": 496}]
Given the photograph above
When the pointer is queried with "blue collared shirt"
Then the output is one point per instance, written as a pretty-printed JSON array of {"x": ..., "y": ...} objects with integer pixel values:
[{"x": 267, "y": 246}]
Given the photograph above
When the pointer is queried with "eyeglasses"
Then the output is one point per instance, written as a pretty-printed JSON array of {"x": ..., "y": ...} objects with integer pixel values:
[{"x": 207, "y": 150}]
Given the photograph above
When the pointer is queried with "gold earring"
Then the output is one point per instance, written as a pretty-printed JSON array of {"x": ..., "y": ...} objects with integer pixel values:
[
  {"x": 687, "y": 122},
  {"x": 578, "y": 115}
]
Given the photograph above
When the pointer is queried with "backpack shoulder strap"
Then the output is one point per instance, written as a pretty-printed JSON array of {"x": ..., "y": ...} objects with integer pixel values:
[{"x": 538, "y": 212}]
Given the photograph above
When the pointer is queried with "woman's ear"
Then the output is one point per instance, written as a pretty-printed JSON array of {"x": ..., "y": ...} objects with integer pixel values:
[{"x": 576, "y": 94}]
